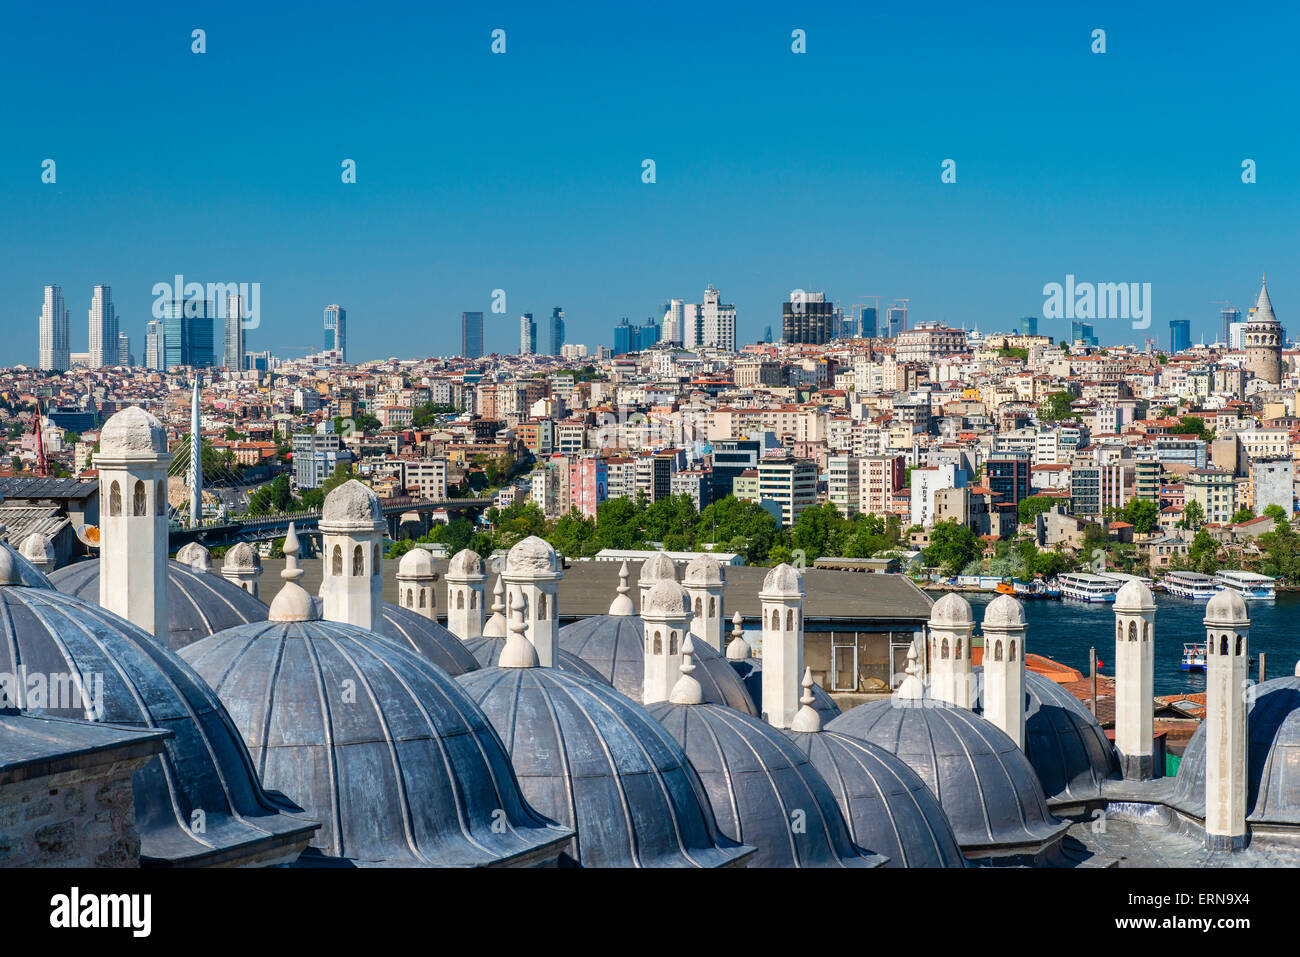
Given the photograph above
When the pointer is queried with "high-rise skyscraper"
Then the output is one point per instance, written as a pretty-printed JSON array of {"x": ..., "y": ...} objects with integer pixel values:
[
  {"x": 869, "y": 327},
  {"x": 153, "y": 345},
  {"x": 1082, "y": 332},
  {"x": 1029, "y": 326},
  {"x": 471, "y": 334},
  {"x": 808, "y": 318},
  {"x": 1227, "y": 316},
  {"x": 103, "y": 328},
  {"x": 674, "y": 322},
  {"x": 55, "y": 332},
  {"x": 557, "y": 330},
  {"x": 336, "y": 330},
  {"x": 527, "y": 335},
  {"x": 1180, "y": 334},
  {"x": 232, "y": 344},
  {"x": 123, "y": 349},
  {"x": 895, "y": 321},
  {"x": 187, "y": 333}
]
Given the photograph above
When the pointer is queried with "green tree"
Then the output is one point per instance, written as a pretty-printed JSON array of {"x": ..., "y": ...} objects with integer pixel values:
[
  {"x": 1057, "y": 407},
  {"x": 952, "y": 547},
  {"x": 1033, "y": 506},
  {"x": 1142, "y": 514},
  {"x": 1202, "y": 554},
  {"x": 1243, "y": 514},
  {"x": 1193, "y": 515}
]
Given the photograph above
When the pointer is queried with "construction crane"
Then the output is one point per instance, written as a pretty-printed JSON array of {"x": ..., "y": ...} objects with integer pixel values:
[
  {"x": 38, "y": 430},
  {"x": 861, "y": 308}
]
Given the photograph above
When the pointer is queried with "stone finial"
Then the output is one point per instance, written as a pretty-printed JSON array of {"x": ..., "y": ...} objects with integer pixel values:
[
  {"x": 195, "y": 556},
  {"x": 293, "y": 603},
  {"x": 806, "y": 719},
  {"x": 518, "y": 651},
  {"x": 497, "y": 626},
  {"x": 738, "y": 648},
  {"x": 687, "y": 690},
  {"x": 912, "y": 687},
  {"x": 622, "y": 605}
]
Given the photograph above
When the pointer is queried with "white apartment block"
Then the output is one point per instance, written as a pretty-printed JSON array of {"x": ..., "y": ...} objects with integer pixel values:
[{"x": 55, "y": 332}]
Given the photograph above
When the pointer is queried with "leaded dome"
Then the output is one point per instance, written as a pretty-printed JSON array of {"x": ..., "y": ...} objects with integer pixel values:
[
  {"x": 429, "y": 638},
  {"x": 487, "y": 653}
]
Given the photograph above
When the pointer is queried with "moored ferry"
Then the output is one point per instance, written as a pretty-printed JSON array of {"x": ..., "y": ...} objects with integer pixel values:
[
  {"x": 1193, "y": 657},
  {"x": 1082, "y": 586},
  {"x": 1248, "y": 585},
  {"x": 1192, "y": 585}
]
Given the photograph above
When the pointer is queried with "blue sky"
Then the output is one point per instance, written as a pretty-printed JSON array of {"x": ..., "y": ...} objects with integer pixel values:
[{"x": 522, "y": 171}]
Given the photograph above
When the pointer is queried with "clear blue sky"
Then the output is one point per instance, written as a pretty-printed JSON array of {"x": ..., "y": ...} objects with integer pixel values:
[{"x": 523, "y": 171}]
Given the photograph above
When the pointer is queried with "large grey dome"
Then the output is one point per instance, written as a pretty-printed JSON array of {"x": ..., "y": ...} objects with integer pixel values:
[
  {"x": 984, "y": 783},
  {"x": 615, "y": 646},
  {"x": 429, "y": 638},
  {"x": 487, "y": 652},
  {"x": 887, "y": 806},
  {"x": 1070, "y": 752},
  {"x": 756, "y": 779},
  {"x": 750, "y": 672},
  {"x": 1273, "y": 755},
  {"x": 198, "y": 603},
  {"x": 590, "y": 758},
  {"x": 203, "y": 775},
  {"x": 376, "y": 742}
]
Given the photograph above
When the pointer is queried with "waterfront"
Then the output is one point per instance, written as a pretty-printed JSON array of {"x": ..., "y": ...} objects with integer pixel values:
[{"x": 1065, "y": 630}]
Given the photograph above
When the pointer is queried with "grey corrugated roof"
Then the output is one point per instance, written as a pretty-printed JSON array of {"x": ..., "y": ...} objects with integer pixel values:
[
  {"x": 23, "y": 520},
  {"x": 32, "y": 746},
  {"x": 16, "y": 486}
]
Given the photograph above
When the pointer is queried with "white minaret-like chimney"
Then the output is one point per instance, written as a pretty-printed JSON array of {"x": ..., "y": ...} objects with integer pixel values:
[
  {"x": 243, "y": 567},
  {"x": 1004, "y": 666},
  {"x": 655, "y": 568},
  {"x": 415, "y": 583},
  {"x": 196, "y": 556},
  {"x": 706, "y": 584},
  {"x": 782, "y": 607},
  {"x": 951, "y": 627},
  {"x": 665, "y": 613},
  {"x": 1227, "y": 626},
  {"x": 352, "y": 530},
  {"x": 533, "y": 574},
  {"x": 466, "y": 591},
  {"x": 1135, "y": 614},
  {"x": 132, "y": 462},
  {"x": 38, "y": 550}
]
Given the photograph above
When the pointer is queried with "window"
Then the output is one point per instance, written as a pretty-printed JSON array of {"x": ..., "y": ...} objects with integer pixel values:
[
  {"x": 541, "y": 606},
  {"x": 776, "y": 620},
  {"x": 358, "y": 562},
  {"x": 1223, "y": 644},
  {"x": 1012, "y": 649},
  {"x": 699, "y": 607},
  {"x": 162, "y": 498},
  {"x": 672, "y": 643},
  {"x": 1146, "y": 630},
  {"x": 659, "y": 644},
  {"x": 789, "y": 620},
  {"x": 421, "y": 597},
  {"x": 958, "y": 654},
  {"x": 1132, "y": 631},
  {"x": 713, "y": 606},
  {"x": 410, "y": 598},
  {"x": 336, "y": 561},
  {"x": 473, "y": 600},
  {"x": 460, "y": 600},
  {"x": 1240, "y": 641},
  {"x": 139, "y": 503},
  {"x": 375, "y": 559},
  {"x": 115, "y": 499},
  {"x": 997, "y": 650}
]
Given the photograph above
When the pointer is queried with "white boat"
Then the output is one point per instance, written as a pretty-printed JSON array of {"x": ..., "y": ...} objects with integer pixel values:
[
  {"x": 1191, "y": 585},
  {"x": 1248, "y": 585},
  {"x": 1081, "y": 586}
]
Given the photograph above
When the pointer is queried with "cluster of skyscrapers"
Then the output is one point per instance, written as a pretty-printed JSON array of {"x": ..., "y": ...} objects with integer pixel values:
[
  {"x": 108, "y": 346},
  {"x": 471, "y": 334}
]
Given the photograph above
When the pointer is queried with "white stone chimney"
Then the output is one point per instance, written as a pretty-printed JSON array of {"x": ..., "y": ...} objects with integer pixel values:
[
  {"x": 655, "y": 568},
  {"x": 38, "y": 550},
  {"x": 1135, "y": 614},
  {"x": 415, "y": 583},
  {"x": 132, "y": 463},
  {"x": 242, "y": 566},
  {"x": 352, "y": 532},
  {"x": 1227, "y": 626},
  {"x": 781, "y": 600},
  {"x": 1004, "y": 666},
  {"x": 665, "y": 613},
  {"x": 951, "y": 628},
  {"x": 196, "y": 556},
  {"x": 533, "y": 575},
  {"x": 466, "y": 591},
  {"x": 706, "y": 584}
]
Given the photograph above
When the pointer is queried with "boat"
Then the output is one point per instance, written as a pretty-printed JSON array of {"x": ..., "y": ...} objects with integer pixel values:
[
  {"x": 1248, "y": 585},
  {"x": 1082, "y": 586},
  {"x": 1193, "y": 657},
  {"x": 1191, "y": 585}
]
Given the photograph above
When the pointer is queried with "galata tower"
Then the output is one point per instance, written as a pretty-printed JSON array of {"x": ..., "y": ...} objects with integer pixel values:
[{"x": 1262, "y": 339}]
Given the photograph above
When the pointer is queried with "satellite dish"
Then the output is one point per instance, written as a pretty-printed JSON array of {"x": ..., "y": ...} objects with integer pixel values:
[{"x": 88, "y": 535}]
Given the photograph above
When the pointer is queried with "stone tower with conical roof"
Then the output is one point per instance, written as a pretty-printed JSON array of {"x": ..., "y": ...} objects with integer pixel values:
[
  {"x": 352, "y": 529},
  {"x": 1262, "y": 340}
]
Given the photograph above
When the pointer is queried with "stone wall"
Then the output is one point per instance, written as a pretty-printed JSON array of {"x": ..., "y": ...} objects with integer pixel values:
[{"x": 83, "y": 818}]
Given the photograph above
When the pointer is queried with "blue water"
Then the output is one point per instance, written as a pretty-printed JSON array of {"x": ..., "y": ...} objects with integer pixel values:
[{"x": 1065, "y": 630}]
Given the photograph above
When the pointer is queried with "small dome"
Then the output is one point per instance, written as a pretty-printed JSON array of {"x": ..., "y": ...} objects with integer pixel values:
[
  {"x": 37, "y": 548},
  {"x": 198, "y": 604},
  {"x": 704, "y": 570},
  {"x": 615, "y": 646},
  {"x": 951, "y": 610},
  {"x": 352, "y": 505},
  {"x": 196, "y": 556},
  {"x": 1070, "y": 752},
  {"x": 1227, "y": 608},
  {"x": 756, "y": 778},
  {"x": 783, "y": 581},
  {"x": 374, "y": 741},
  {"x": 1004, "y": 612},
  {"x": 131, "y": 432},
  {"x": 984, "y": 783},
  {"x": 667, "y": 599},
  {"x": 15, "y": 569},
  {"x": 888, "y": 808},
  {"x": 242, "y": 557},
  {"x": 429, "y": 638},
  {"x": 1134, "y": 596},
  {"x": 487, "y": 653},
  {"x": 1273, "y": 754},
  {"x": 465, "y": 564},
  {"x": 132, "y": 681},
  {"x": 417, "y": 563},
  {"x": 591, "y": 759},
  {"x": 658, "y": 566},
  {"x": 533, "y": 554}
]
